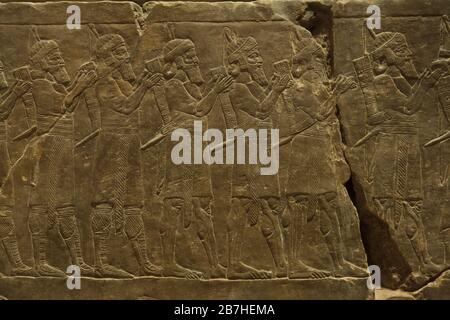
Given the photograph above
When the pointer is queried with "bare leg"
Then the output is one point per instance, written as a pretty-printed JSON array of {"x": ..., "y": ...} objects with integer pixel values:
[
  {"x": 169, "y": 221},
  {"x": 415, "y": 231},
  {"x": 9, "y": 240},
  {"x": 134, "y": 229},
  {"x": 270, "y": 228},
  {"x": 205, "y": 232},
  {"x": 330, "y": 228},
  {"x": 293, "y": 221},
  {"x": 38, "y": 224},
  {"x": 101, "y": 226},
  {"x": 68, "y": 229},
  {"x": 237, "y": 220}
]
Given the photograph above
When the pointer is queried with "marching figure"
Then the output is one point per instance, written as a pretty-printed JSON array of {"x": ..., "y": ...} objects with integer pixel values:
[
  {"x": 186, "y": 186},
  {"x": 8, "y": 100},
  {"x": 248, "y": 104},
  {"x": 118, "y": 187},
  {"x": 52, "y": 197},
  {"x": 312, "y": 186},
  {"x": 393, "y": 92},
  {"x": 440, "y": 68}
]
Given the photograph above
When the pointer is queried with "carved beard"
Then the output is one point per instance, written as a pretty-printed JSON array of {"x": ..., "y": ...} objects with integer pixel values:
[
  {"x": 60, "y": 74},
  {"x": 126, "y": 71},
  {"x": 320, "y": 72},
  {"x": 258, "y": 75},
  {"x": 3, "y": 82},
  {"x": 407, "y": 69},
  {"x": 194, "y": 75}
]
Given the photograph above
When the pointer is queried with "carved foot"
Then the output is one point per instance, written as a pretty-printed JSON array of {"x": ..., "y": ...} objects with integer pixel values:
[
  {"x": 149, "y": 269},
  {"x": 181, "y": 272},
  {"x": 243, "y": 271},
  {"x": 87, "y": 270},
  {"x": 109, "y": 271},
  {"x": 348, "y": 269},
  {"x": 23, "y": 270},
  {"x": 303, "y": 271},
  {"x": 429, "y": 268},
  {"x": 46, "y": 270},
  {"x": 414, "y": 281},
  {"x": 281, "y": 272},
  {"x": 218, "y": 272}
]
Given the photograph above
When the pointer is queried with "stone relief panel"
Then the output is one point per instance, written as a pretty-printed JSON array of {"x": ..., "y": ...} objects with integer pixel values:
[
  {"x": 223, "y": 150},
  {"x": 395, "y": 127}
]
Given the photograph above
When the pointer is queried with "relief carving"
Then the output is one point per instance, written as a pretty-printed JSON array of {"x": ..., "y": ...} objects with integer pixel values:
[{"x": 192, "y": 152}]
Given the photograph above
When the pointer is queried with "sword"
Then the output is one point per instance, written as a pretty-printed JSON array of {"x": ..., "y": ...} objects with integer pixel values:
[
  {"x": 25, "y": 134},
  {"x": 155, "y": 66},
  {"x": 368, "y": 136},
  {"x": 87, "y": 138},
  {"x": 23, "y": 73},
  {"x": 440, "y": 139},
  {"x": 165, "y": 129}
]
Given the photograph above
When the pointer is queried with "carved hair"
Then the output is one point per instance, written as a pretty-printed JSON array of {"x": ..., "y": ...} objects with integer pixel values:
[
  {"x": 107, "y": 43},
  {"x": 304, "y": 45},
  {"x": 39, "y": 48},
  {"x": 234, "y": 46}
]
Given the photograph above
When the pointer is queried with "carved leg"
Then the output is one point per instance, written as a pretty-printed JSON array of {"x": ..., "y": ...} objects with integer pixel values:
[
  {"x": 385, "y": 210},
  {"x": 237, "y": 220},
  {"x": 205, "y": 231},
  {"x": 330, "y": 228},
  {"x": 134, "y": 229},
  {"x": 68, "y": 229},
  {"x": 38, "y": 224},
  {"x": 171, "y": 214},
  {"x": 8, "y": 238},
  {"x": 270, "y": 228},
  {"x": 293, "y": 219},
  {"x": 415, "y": 232},
  {"x": 101, "y": 227}
]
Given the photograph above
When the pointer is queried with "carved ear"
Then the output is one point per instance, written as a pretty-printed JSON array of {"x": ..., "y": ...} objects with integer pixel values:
[
  {"x": 229, "y": 35},
  {"x": 169, "y": 70}
]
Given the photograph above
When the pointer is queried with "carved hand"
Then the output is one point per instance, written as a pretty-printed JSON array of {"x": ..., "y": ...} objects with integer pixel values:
[
  {"x": 222, "y": 84},
  {"x": 281, "y": 84},
  {"x": 21, "y": 87},
  {"x": 429, "y": 78},
  {"x": 342, "y": 84},
  {"x": 152, "y": 80},
  {"x": 86, "y": 80}
]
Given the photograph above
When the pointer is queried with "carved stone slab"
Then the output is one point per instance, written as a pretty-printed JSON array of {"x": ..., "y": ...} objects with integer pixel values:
[
  {"x": 394, "y": 128},
  {"x": 116, "y": 140}
]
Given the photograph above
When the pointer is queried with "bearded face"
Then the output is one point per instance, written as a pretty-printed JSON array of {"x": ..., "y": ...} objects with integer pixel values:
[
  {"x": 188, "y": 62},
  {"x": 55, "y": 65},
  {"x": 254, "y": 66},
  {"x": 310, "y": 65},
  {"x": 121, "y": 62},
  {"x": 401, "y": 56}
]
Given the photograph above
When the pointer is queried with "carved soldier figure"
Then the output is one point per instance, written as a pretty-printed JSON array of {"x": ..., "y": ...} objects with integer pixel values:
[
  {"x": 392, "y": 93},
  {"x": 311, "y": 186},
  {"x": 52, "y": 198},
  {"x": 118, "y": 186},
  {"x": 441, "y": 68},
  {"x": 8, "y": 100},
  {"x": 248, "y": 105},
  {"x": 187, "y": 185}
]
